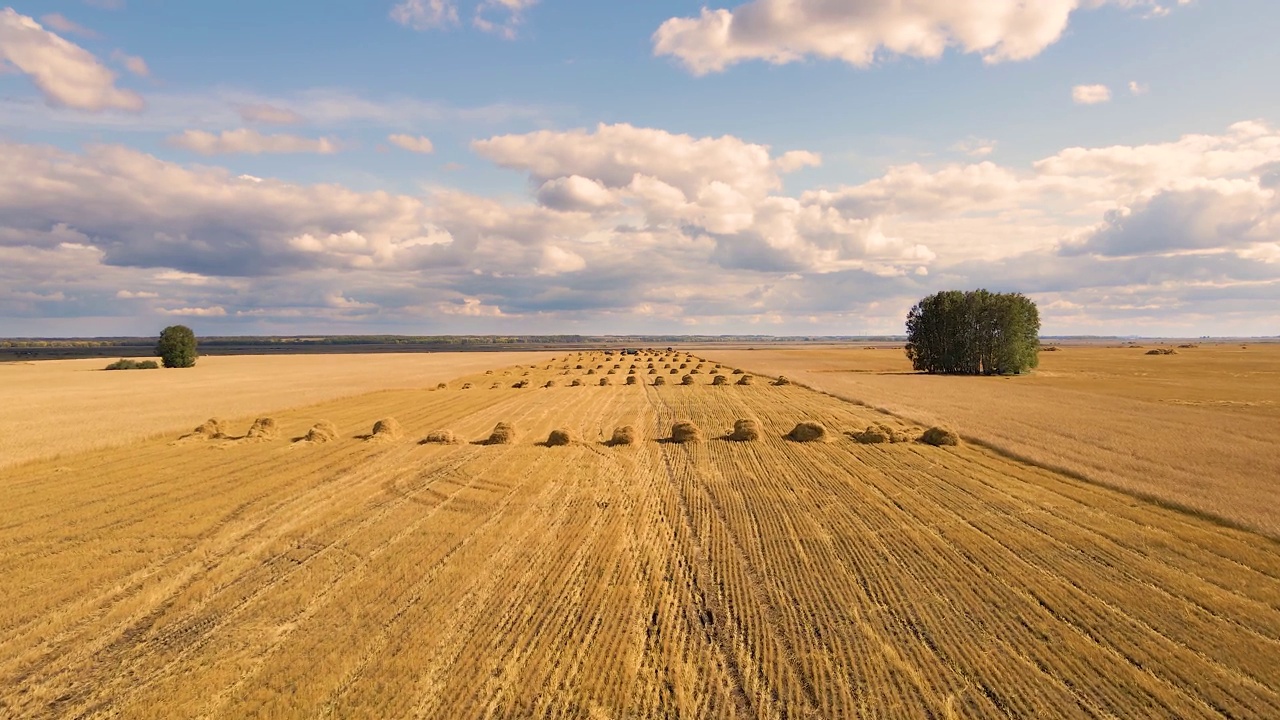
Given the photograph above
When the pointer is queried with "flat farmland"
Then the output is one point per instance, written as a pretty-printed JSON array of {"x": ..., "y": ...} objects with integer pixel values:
[
  {"x": 1199, "y": 429},
  {"x": 384, "y": 577},
  {"x": 37, "y": 399}
]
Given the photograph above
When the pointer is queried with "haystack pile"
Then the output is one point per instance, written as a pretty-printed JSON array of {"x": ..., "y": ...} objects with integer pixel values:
[
  {"x": 631, "y": 380},
  {"x": 720, "y": 380},
  {"x": 211, "y": 429},
  {"x": 560, "y": 437},
  {"x": 684, "y": 431},
  {"x": 686, "y": 380},
  {"x": 808, "y": 431},
  {"x": 939, "y": 437},
  {"x": 1162, "y": 351},
  {"x": 503, "y": 434},
  {"x": 745, "y": 431},
  {"x": 879, "y": 433},
  {"x": 659, "y": 381},
  {"x": 746, "y": 380},
  {"x": 386, "y": 429},
  {"x": 625, "y": 435},
  {"x": 263, "y": 430},
  {"x": 782, "y": 380},
  {"x": 322, "y": 432},
  {"x": 441, "y": 437},
  {"x": 605, "y": 381}
]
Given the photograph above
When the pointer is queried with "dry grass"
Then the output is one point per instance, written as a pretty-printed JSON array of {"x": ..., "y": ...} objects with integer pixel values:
[
  {"x": 737, "y": 580},
  {"x": 1193, "y": 432}
]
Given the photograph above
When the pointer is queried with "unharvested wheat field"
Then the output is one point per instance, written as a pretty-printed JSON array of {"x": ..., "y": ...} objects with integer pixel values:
[
  {"x": 1199, "y": 429},
  {"x": 382, "y": 577}
]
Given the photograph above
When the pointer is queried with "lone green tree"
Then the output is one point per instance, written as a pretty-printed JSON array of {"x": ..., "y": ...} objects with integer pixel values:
[
  {"x": 973, "y": 333},
  {"x": 177, "y": 347}
]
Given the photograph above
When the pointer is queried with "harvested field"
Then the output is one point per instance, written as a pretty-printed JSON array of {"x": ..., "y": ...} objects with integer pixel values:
[
  {"x": 1195, "y": 430},
  {"x": 712, "y": 579},
  {"x": 37, "y": 398}
]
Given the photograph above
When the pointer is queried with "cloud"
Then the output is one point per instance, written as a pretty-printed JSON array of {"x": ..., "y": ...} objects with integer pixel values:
[
  {"x": 267, "y": 114},
  {"x": 1090, "y": 94},
  {"x": 205, "y": 312},
  {"x": 132, "y": 63},
  {"x": 425, "y": 14},
  {"x": 636, "y": 229},
  {"x": 859, "y": 32},
  {"x": 975, "y": 147},
  {"x": 67, "y": 75},
  {"x": 60, "y": 23},
  {"x": 443, "y": 14},
  {"x": 512, "y": 12},
  {"x": 412, "y": 143},
  {"x": 1137, "y": 88},
  {"x": 250, "y": 142}
]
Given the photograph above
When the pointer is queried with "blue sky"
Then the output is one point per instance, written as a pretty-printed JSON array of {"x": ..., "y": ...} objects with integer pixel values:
[{"x": 800, "y": 167}]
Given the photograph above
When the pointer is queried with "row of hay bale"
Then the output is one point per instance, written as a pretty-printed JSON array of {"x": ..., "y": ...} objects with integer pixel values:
[{"x": 744, "y": 430}]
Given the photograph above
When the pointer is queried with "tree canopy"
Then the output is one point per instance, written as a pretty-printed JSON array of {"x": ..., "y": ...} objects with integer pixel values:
[
  {"x": 177, "y": 347},
  {"x": 973, "y": 333}
]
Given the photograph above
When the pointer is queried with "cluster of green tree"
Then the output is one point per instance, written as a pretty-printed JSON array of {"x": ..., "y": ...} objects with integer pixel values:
[
  {"x": 973, "y": 333},
  {"x": 127, "y": 364},
  {"x": 177, "y": 347}
]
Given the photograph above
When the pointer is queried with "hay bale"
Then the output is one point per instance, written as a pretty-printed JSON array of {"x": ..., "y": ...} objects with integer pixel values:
[
  {"x": 495, "y": 386},
  {"x": 442, "y": 386},
  {"x": 808, "y": 431},
  {"x": 1051, "y": 348},
  {"x": 521, "y": 384},
  {"x": 466, "y": 386},
  {"x": 441, "y": 437},
  {"x": 211, "y": 429},
  {"x": 612, "y": 372},
  {"x": 745, "y": 431},
  {"x": 684, "y": 431},
  {"x": 659, "y": 381},
  {"x": 720, "y": 380},
  {"x": 322, "y": 432},
  {"x": 560, "y": 437},
  {"x": 684, "y": 365},
  {"x": 488, "y": 372},
  {"x": 592, "y": 371},
  {"x": 686, "y": 380},
  {"x": 631, "y": 380},
  {"x": 1162, "y": 351},
  {"x": 737, "y": 371},
  {"x": 386, "y": 429},
  {"x": 782, "y": 380},
  {"x": 263, "y": 430},
  {"x": 653, "y": 371},
  {"x": 577, "y": 367},
  {"x": 939, "y": 436},
  {"x": 746, "y": 380},
  {"x": 550, "y": 384},
  {"x": 605, "y": 381},
  {"x": 675, "y": 371},
  {"x": 576, "y": 383},
  {"x": 875, "y": 435},
  {"x": 625, "y": 435},
  {"x": 632, "y": 371},
  {"x": 503, "y": 434}
]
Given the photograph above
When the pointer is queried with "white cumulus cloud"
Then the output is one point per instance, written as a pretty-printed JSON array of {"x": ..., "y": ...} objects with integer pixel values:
[{"x": 67, "y": 74}]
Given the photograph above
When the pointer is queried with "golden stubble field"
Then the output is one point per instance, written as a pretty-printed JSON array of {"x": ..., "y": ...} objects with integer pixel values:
[
  {"x": 67, "y": 406},
  {"x": 1199, "y": 429},
  {"x": 388, "y": 578}
]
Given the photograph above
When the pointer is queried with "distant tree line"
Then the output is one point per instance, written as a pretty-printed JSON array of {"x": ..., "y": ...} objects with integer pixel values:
[{"x": 973, "y": 333}]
